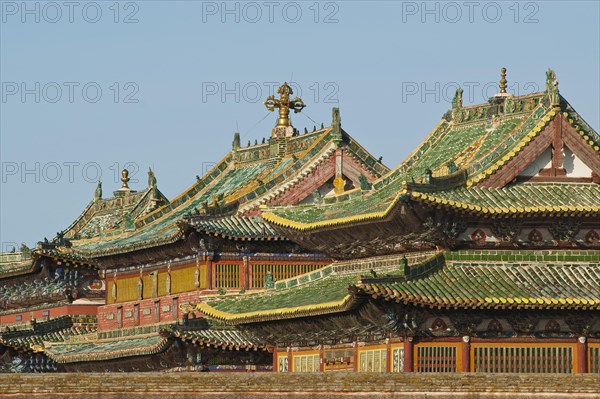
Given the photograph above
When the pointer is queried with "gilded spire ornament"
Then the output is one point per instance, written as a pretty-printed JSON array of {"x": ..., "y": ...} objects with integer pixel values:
[
  {"x": 125, "y": 179},
  {"x": 503, "y": 81},
  {"x": 284, "y": 123},
  {"x": 124, "y": 190}
]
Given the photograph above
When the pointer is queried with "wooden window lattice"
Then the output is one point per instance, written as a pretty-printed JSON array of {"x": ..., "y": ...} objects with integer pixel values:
[
  {"x": 279, "y": 272},
  {"x": 373, "y": 361},
  {"x": 306, "y": 363},
  {"x": 532, "y": 359},
  {"x": 283, "y": 364},
  {"x": 398, "y": 360},
  {"x": 227, "y": 275},
  {"x": 436, "y": 359},
  {"x": 340, "y": 355},
  {"x": 594, "y": 359}
]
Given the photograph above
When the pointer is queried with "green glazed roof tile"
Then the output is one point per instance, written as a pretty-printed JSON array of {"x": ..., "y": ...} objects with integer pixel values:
[
  {"x": 498, "y": 285},
  {"x": 471, "y": 148},
  {"x": 232, "y": 182},
  {"x": 104, "y": 350}
]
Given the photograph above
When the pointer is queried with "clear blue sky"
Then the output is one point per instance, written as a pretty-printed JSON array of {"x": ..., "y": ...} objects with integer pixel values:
[{"x": 179, "y": 77}]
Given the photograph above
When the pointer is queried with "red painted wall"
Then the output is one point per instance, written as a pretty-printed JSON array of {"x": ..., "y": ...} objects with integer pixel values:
[
  {"x": 146, "y": 311},
  {"x": 351, "y": 169},
  {"x": 53, "y": 312}
]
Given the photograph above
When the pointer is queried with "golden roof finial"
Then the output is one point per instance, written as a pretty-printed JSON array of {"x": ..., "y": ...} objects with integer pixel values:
[
  {"x": 125, "y": 179},
  {"x": 284, "y": 104},
  {"x": 503, "y": 81}
]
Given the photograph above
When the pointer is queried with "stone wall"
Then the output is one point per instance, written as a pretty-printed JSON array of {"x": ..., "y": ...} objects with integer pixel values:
[{"x": 306, "y": 386}]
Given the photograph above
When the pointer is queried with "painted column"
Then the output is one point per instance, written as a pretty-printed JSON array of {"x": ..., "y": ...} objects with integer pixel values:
[
  {"x": 249, "y": 279},
  {"x": 197, "y": 273},
  {"x": 209, "y": 273},
  {"x": 356, "y": 368},
  {"x": 244, "y": 273},
  {"x": 114, "y": 287},
  {"x": 321, "y": 358},
  {"x": 339, "y": 165},
  {"x": 290, "y": 360},
  {"x": 466, "y": 354},
  {"x": 582, "y": 352},
  {"x": 557, "y": 148},
  {"x": 388, "y": 355},
  {"x": 338, "y": 182},
  {"x": 408, "y": 354},
  {"x": 275, "y": 359}
]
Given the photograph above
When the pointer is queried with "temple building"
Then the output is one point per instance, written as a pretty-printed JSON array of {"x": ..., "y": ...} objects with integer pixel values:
[
  {"x": 148, "y": 255},
  {"x": 480, "y": 252}
]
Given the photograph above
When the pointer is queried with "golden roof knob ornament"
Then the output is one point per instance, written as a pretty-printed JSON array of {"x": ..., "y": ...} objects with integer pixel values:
[
  {"x": 124, "y": 190},
  {"x": 503, "y": 81},
  {"x": 284, "y": 124},
  {"x": 503, "y": 94},
  {"x": 125, "y": 179}
]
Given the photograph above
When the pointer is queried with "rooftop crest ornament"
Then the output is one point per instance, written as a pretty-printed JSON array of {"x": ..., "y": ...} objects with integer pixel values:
[
  {"x": 125, "y": 179},
  {"x": 503, "y": 94},
  {"x": 284, "y": 124},
  {"x": 503, "y": 81}
]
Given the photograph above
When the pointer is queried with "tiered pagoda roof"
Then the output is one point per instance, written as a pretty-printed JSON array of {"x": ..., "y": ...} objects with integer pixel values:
[
  {"x": 65, "y": 343},
  {"x": 553, "y": 283},
  {"x": 519, "y": 199},
  {"x": 321, "y": 292},
  {"x": 475, "y": 161},
  {"x": 32, "y": 337},
  {"x": 470, "y": 166},
  {"x": 223, "y": 338},
  {"x": 18, "y": 263},
  {"x": 470, "y": 146},
  {"x": 544, "y": 280},
  {"x": 116, "y": 212},
  {"x": 236, "y": 186},
  {"x": 491, "y": 280},
  {"x": 236, "y": 227},
  {"x": 28, "y": 284},
  {"x": 329, "y": 295},
  {"x": 224, "y": 202},
  {"x": 99, "y": 350},
  {"x": 384, "y": 234}
]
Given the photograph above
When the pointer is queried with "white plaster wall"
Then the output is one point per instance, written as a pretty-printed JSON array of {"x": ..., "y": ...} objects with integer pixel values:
[
  {"x": 542, "y": 162},
  {"x": 575, "y": 166}
]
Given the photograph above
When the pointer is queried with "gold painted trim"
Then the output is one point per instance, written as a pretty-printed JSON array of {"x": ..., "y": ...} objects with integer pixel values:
[
  {"x": 219, "y": 314},
  {"x": 499, "y": 210},
  {"x": 516, "y": 149},
  {"x": 301, "y": 226}
]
